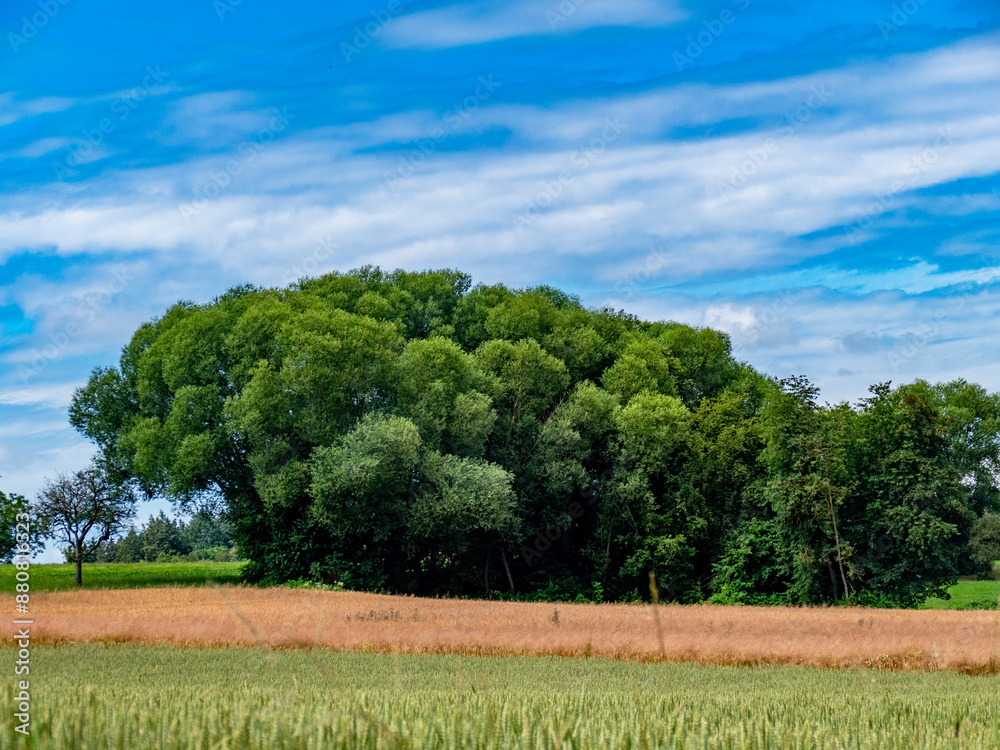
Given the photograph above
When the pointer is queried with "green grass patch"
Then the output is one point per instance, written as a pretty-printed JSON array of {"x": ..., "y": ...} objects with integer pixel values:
[
  {"x": 125, "y": 575},
  {"x": 95, "y": 697},
  {"x": 968, "y": 595}
]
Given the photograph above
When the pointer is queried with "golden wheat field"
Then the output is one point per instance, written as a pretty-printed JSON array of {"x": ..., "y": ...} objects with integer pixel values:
[{"x": 287, "y": 618}]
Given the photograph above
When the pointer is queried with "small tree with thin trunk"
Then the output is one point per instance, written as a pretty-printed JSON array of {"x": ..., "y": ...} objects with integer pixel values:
[{"x": 82, "y": 510}]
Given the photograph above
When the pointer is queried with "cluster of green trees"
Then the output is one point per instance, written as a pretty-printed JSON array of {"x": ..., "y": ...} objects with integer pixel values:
[
  {"x": 409, "y": 432},
  {"x": 206, "y": 536},
  {"x": 10, "y": 506}
]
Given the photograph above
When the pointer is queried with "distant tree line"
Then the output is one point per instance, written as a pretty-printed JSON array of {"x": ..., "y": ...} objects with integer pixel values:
[
  {"x": 408, "y": 432},
  {"x": 163, "y": 539}
]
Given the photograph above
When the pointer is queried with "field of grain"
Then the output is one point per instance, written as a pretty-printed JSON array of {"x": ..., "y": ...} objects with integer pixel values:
[
  {"x": 93, "y": 697},
  {"x": 286, "y": 618}
]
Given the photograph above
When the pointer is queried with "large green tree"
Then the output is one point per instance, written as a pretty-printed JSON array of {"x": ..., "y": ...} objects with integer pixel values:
[
  {"x": 410, "y": 432},
  {"x": 910, "y": 509}
]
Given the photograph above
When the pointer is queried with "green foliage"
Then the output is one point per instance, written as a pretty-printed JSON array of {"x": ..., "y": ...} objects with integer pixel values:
[
  {"x": 972, "y": 425},
  {"x": 162, "y": 537},
  {"x": 10, "y": 507},
  {"x": 911, "y": 512},
  {"x": 206, "y": 531},
  {"x": 359, "y": 483},
  {"x": 206, "y": 537},
  {"x": 462, "y": 507},
  {"x": 407, "y": 432},
  {"x": 100, "y": 697},
  {"x": 755, "y": 563},
  {"x": 311, "y": 585},
  {"x": 984, "y": 543}
]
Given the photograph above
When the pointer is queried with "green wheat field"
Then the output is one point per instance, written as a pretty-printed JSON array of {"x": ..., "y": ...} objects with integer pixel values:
[{"x": 97, "y": 697}]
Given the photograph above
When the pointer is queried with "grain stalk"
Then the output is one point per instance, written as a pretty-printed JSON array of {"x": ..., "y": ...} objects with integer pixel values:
[{"x": 656, "y": 613}]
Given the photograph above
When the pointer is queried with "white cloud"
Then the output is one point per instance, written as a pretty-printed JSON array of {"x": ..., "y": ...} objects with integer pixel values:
[
  {"x": 487, "y": 21},
  {"x": 54, "y": 396},
  {"x": 27, "y": 475},
  {"x": 41, "y": 147},
  {"x": 741, "y": 322},
  {"x": 214, "y": 118},
  {"x": 596, "y": 214},
  {"x": 12, "y": 109}
]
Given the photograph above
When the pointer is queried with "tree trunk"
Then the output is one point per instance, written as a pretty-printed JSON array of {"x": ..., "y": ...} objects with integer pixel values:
[
  {"x": 836, "y": 535},
  {"x": 506, "y": 567},
  {"x": 79, "y": 565},
  {"x": 836, "y": 538},
  {"x": 833, "y": 578},
  {"x": 486, "y": 575}
]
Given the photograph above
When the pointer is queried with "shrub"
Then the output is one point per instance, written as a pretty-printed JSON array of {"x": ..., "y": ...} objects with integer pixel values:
[{"x": 984, "y": 543}]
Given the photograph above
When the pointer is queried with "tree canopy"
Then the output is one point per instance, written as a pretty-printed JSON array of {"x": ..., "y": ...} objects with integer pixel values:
[
  {"x": 83, "y": 510},
  {"x": 409, "y": 432},
  {"x": 12, "y": 506}
]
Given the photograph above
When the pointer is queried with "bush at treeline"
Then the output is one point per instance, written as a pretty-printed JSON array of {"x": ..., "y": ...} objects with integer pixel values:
[
  {"x": 407, "y": 432},
  {"x": 163, "y": 539}
]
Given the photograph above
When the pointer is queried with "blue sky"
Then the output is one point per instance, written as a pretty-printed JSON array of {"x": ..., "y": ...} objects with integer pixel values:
[{"x": 821, "y": 180}]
